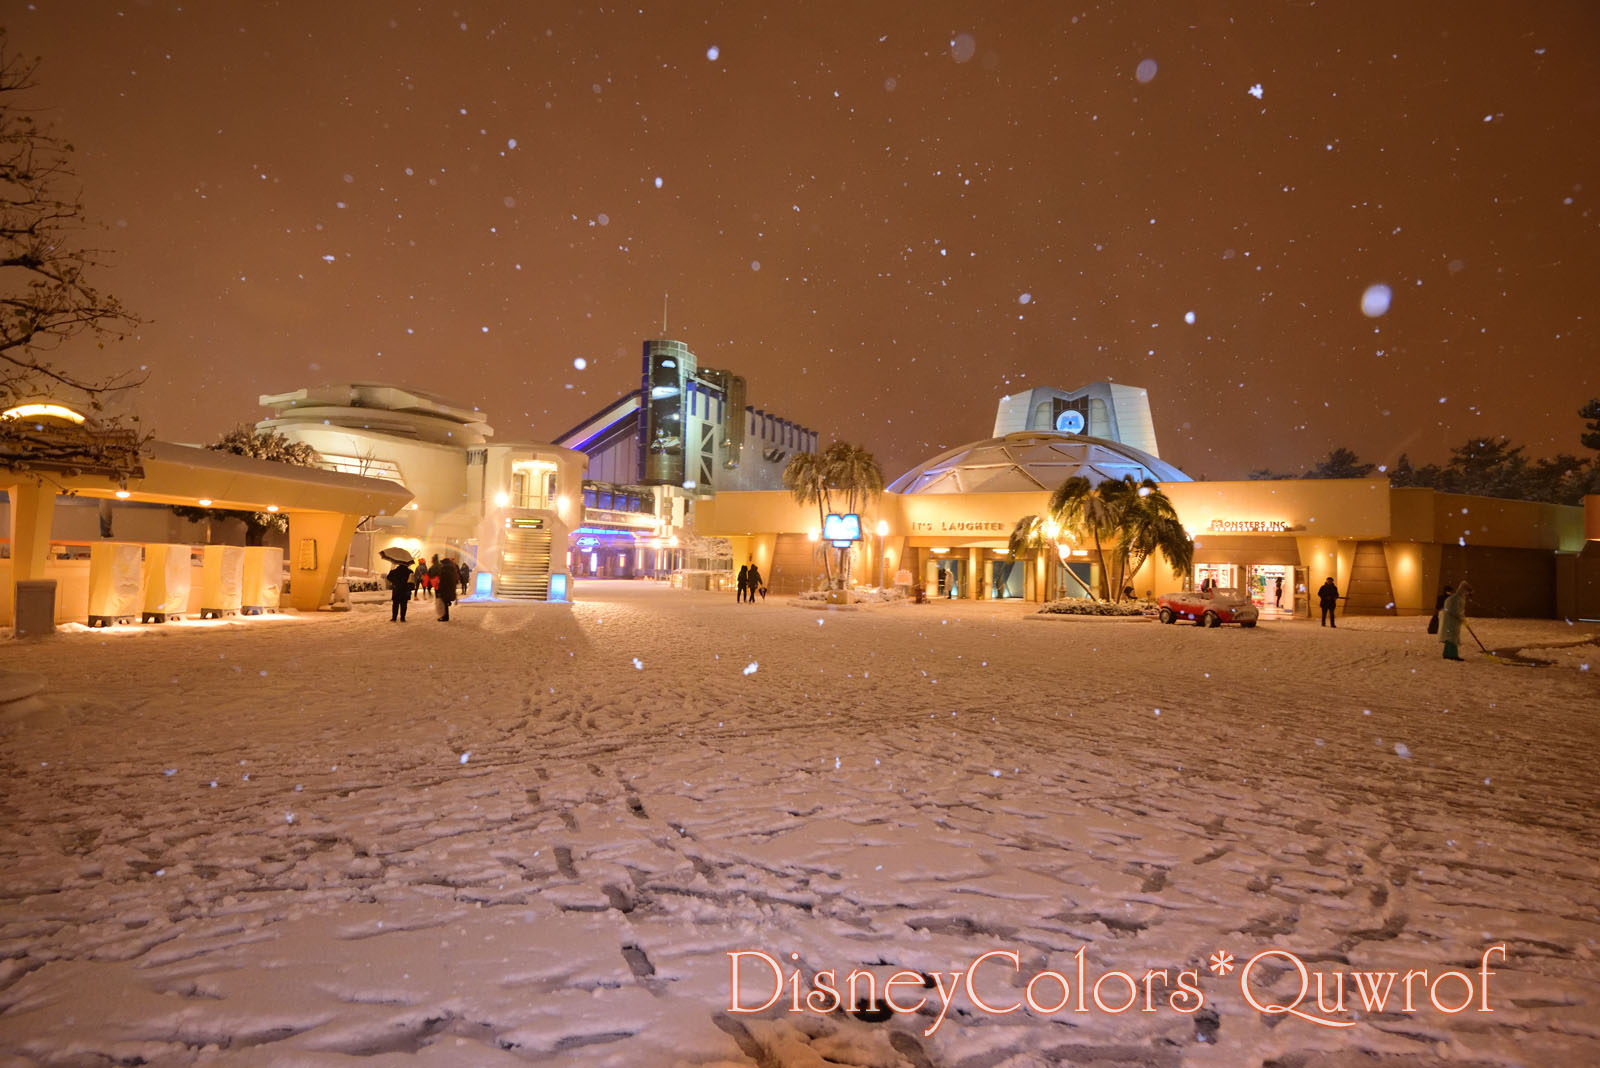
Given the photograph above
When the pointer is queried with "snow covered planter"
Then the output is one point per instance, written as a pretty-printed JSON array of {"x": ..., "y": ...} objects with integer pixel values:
[{"x": 1079, "y": 606}]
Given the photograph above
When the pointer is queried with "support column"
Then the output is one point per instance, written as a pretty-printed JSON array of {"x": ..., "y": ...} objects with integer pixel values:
[
  {"x": 318, "y": 542},
  {"x": 33, "y": 509}
]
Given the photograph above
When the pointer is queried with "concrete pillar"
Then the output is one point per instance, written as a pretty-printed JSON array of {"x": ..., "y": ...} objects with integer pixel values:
[
  {"x": 318, "y": 542},
  {"x": 32, "y": 511}
]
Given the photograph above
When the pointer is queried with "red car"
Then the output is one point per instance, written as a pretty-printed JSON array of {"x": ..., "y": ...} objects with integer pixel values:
[{"x": 1208, "y": 609}]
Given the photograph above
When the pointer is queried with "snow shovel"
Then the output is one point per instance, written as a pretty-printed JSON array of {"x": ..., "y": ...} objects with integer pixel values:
[{"x": 1503, "y": 658}]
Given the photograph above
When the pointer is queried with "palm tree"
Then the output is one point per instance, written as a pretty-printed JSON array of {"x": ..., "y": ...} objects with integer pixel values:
[
  {"x": 854, "y": 472},
  {"x": 806, "y": 479},
  {"x": 1148, "y": 523},
  {"x": 1034, "y": 536},
  {"x": 1087, "y": 514},
  {"x": 844, "y": 471}
]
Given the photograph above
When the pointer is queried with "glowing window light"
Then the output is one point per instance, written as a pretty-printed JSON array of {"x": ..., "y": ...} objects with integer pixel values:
[
  {"x": 204, "y": 502},
  {"x": 123, "y": 495},
  {"x": 44, "y": 409}
]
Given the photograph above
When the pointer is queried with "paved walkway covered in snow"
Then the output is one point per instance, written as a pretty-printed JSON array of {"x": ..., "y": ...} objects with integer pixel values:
[{"x": 535, "y": 834}]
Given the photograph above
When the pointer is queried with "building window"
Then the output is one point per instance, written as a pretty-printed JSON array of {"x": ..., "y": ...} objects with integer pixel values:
[{"x": 362, "y": 465}]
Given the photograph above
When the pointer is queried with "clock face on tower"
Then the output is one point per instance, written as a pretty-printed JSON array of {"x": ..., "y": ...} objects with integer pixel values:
[{"x": 1070, "y": 422}]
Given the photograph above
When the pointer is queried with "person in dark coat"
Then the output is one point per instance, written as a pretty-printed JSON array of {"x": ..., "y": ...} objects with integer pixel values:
[
  {"x": 446, "y": 593},
  {"x": 1328, "y": 597},
  {"x": 1277, "y": 593},
  {"x": 464, "y": 588},
  {"x": 1438, "y": 606},
  {"x": 744, "y": 581},
  {"x": 399, "y": 592},
  {"x": 753, "y": 581}
]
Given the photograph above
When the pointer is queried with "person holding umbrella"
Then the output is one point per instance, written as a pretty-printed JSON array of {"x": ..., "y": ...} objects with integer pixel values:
[{"x": 399, "y": 582}]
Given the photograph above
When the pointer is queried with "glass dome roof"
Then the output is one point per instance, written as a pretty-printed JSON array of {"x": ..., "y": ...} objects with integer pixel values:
[{"x": 1029, "y": 461}]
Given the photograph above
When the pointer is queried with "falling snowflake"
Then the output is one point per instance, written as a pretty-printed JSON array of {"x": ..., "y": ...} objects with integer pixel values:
[
  {"x": 638, "y": 665},
  {"x": 1255, "y": 90},
  {"x": 713, "y": 52},
  {"x": 750, "y": 668},
  {"x": 466, "y": 756},
  {"x": 1402, "y": 751},
  {"x": 1146, "y": 71},
  {"x": 580, "y": 363},
  {"x": 1375, "y": 301}
]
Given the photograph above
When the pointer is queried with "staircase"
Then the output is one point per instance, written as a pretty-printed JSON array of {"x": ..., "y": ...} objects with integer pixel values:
[{"x": 525, "y": 565}]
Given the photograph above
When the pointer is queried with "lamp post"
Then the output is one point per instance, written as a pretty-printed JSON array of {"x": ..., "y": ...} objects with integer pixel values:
[{"x": 883, "y": 530}]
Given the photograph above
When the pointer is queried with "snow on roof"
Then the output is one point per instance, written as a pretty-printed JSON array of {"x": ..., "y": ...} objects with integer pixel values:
[{"x": 1031, "y": 460}]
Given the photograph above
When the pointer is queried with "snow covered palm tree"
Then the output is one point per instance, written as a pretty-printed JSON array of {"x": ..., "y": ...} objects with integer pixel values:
[
  {"x": 1084, "y": 512},
  {"x": 806, "y": 479},
  {"x": 853, "y": 472},
  {"x": 1147, "y": 524},
  {"x": 841, "y": 474}
]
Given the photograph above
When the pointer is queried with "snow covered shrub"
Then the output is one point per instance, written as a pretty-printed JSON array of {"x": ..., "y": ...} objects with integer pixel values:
[{"x": 1079, "y": 606}]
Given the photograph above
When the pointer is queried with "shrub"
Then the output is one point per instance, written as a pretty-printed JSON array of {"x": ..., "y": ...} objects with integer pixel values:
[{"x": 1082, "y": 606}]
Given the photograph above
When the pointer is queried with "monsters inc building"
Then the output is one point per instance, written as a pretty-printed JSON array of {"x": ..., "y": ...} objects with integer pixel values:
[{"x": 948, "y": 522}]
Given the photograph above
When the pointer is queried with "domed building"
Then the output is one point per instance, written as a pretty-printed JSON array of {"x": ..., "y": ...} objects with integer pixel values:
[
  {"x": 946, "y": 524},
  {"x": 1029, "y": 461}
]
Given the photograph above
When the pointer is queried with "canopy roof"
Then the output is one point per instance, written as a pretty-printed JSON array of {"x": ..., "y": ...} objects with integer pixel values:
[{"x": 187, "y": 474}]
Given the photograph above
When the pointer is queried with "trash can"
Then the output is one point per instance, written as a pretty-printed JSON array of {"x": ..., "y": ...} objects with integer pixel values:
[{"x": 35, "y": 607}]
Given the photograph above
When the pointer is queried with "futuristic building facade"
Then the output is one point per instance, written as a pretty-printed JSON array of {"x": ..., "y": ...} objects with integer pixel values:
[
  {"x": 505, "y": 508},
  {"x": 685, "y": 435}
]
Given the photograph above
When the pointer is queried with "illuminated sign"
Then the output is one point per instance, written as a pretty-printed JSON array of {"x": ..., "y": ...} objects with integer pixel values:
[
  {"x": 1248, "y": 526},
  {"x": 956, "y": 526},
  {"x": 841, "y": 530}
]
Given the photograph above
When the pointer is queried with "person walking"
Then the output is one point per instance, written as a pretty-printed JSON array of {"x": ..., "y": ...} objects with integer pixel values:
[
  {"x": 753, "y": 581},
  {"x": 1328, "y": 596},
  {"x": 447, "y": 579},
  {"x": 1452, "y": 616},
  {"x": 1438, "y": 606},
  {"x": 1277, "y": 593},
  {"x": 399, "y": 592},
  {"x": 464, "y": 587},
  {"x": 744, "y": 581}
]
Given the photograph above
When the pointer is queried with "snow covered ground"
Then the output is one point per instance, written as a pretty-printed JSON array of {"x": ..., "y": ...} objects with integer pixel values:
[{"x": 536, "y": 835}]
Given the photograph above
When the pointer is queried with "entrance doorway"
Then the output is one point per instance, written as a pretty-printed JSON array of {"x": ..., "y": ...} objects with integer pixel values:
[
  {"x": 1008, "y": 579},
  {"x": 947, "y": 579},
  {"x": 1271, "y": 587}
]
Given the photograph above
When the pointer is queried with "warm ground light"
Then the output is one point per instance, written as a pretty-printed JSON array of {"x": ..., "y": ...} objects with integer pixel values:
[{"x": 534, "y": 836}]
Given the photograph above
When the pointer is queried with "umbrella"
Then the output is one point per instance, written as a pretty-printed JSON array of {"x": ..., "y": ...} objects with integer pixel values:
[{"x": 395, "y": 554}]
